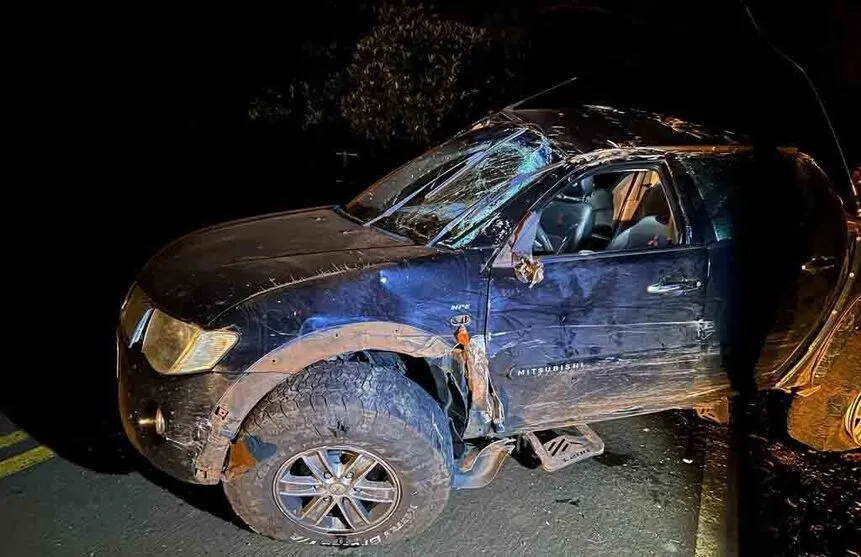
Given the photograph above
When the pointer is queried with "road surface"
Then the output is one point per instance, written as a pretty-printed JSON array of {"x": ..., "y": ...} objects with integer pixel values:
[{"x": 642, "y": 497}]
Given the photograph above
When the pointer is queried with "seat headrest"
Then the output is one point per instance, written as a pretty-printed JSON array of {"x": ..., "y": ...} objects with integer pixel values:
[
  {"x": 655, "y": 204},
  {"x": 582, "y": 188}
]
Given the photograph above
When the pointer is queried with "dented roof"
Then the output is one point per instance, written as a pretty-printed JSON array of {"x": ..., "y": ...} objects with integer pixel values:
[{"x": 589, "y": 127}]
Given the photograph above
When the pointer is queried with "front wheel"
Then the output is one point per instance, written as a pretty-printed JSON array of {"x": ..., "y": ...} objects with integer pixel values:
[{"x": 343, "y": 454}]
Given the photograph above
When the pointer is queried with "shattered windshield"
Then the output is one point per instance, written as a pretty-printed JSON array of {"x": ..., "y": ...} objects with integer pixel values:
[{"x": 429, "y": 194}]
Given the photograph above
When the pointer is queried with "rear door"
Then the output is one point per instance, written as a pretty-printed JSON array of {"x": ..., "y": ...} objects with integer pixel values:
[{"x": 780, "y": 241}]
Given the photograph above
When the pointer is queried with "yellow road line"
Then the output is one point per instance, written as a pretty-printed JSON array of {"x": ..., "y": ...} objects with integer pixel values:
[
  {"x": 17, "y": 463},
  {"x": 12, "y": 438}
]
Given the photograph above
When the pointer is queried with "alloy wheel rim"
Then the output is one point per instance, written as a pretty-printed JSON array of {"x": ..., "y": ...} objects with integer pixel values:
[{"x": 337, "y": 490}]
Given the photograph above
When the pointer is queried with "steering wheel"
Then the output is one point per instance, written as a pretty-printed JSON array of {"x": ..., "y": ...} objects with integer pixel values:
[
  {"x": 573, "y": 236},
  {"x": 542, "y": 241}
]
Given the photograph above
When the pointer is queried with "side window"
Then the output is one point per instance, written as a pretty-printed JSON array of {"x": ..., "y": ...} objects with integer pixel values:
[
  {"x": 609, "y": 211},
  {"x": 720, "y": 180}
]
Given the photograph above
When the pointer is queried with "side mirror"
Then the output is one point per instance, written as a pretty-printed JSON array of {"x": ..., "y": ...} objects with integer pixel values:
[
  {"x": 516, "y": 252},
  {"x": 528, "y": 270}
]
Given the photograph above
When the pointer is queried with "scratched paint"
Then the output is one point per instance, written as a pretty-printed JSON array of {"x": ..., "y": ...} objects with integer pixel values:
[
  {"x": 628, "y": 349},
  {"x": 770, "y": 218}
]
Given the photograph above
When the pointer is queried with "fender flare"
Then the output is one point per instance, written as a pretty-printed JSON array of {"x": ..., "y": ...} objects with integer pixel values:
[{"x": 291, "y": 358}]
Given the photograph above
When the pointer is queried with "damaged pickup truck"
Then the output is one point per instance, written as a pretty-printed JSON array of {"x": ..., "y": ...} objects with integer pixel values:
[{"x": 341, "y": 369}]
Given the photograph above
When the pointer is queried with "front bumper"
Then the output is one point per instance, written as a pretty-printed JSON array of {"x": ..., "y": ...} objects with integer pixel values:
[{"x": 185, "y": 401}]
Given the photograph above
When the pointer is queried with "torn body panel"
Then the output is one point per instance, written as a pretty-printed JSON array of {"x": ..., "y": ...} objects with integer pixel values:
[
  {"x": 405, "y": 305},
  {"x": 486, "y": 410},
  {"x": 185, "y": 402},
  {"x": 828, "y": 416},
  {"x": 829, "y": 376}
]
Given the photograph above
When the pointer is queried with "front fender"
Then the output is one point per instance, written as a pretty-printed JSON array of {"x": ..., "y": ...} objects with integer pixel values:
[{"x": 294, "y": 356}]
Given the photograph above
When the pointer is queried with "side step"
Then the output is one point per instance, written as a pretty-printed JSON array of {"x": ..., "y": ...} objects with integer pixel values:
[{"x": 565, "y": 449}]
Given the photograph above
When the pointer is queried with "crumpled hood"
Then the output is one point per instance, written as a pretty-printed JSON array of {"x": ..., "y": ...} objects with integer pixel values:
[{"x": 205, "y": 273}]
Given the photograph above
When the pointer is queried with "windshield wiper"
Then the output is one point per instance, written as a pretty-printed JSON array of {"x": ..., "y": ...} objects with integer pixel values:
[
  {"x": 397, "y": 206},
  {"x": 466, "y": 165}
]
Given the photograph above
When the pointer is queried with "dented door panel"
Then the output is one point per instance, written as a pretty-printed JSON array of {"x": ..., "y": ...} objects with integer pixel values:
[{"x": 593, "y": 341}]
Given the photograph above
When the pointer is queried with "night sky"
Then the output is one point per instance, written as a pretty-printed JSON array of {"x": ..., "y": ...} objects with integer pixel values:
[{"x": 268, "y": 100}]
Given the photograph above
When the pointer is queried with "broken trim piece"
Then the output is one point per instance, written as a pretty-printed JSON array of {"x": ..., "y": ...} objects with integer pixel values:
[
  {"x": 529, "y": 270},
  {"x": 485, "y": 408},
  {"x": 480, "y": 466}
]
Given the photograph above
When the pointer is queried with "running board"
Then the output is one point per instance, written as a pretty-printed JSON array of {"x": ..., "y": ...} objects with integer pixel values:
[{"x": 564, "y": 449}]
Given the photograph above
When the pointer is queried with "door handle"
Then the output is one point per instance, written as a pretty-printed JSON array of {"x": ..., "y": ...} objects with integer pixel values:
[
  {"x": 674, "y": 286},
  {"x": 818, "y": 263}
]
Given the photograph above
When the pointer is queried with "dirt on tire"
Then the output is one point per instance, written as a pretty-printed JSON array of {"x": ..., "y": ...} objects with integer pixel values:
[{"x": 369, "y": 407}]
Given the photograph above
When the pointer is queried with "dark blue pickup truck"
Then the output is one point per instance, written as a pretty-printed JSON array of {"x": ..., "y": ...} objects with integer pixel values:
[{"x": 340, "y": 369}]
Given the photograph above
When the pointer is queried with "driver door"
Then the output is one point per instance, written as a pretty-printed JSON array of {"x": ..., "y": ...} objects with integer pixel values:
[{"x": 624, "y": 330}]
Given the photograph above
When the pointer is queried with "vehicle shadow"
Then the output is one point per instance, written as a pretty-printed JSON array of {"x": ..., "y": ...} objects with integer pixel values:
[
  {"x": 73, "y": 410},
  {"x": 79, "y": 420}
]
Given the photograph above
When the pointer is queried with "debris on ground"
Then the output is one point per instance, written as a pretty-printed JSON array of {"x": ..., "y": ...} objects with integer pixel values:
[{"x": 804, "y": 502}]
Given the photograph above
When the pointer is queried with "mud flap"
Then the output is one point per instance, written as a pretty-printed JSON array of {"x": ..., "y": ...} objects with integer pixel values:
[{"x": 479, "y": 467}]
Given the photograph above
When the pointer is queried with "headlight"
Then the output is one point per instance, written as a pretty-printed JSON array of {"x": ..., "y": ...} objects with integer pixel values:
[{"x": 173, "y": 347}]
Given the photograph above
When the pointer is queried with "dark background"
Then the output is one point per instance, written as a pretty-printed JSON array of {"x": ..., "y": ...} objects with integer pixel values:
[
  {"x": 141, "y": 125},
  {"x": 209, "y": 115},
  {"x": 214, "y": 115}
]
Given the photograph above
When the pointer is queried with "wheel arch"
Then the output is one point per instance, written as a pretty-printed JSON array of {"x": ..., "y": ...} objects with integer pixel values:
[{"x": 291, "y": 358}]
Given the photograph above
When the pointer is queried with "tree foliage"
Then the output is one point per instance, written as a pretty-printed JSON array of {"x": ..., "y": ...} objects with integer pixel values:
[
  {"x": 409, "y": 73},
  {"x": 409, "y": 77}
]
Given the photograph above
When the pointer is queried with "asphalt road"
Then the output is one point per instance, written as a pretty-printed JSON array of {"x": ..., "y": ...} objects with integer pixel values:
[{"x": 642, "y": 497}]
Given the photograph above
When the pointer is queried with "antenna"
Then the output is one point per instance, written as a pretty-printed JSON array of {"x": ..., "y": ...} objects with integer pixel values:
[
  {"x": 539, "y": 93},
  {"x": 809, "y": 81}
]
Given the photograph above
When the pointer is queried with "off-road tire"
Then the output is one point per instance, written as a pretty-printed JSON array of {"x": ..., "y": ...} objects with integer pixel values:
[{"x": 335, "y": 403}]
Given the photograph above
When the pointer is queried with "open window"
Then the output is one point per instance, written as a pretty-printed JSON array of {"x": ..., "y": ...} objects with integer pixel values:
[{"x": 607, "y": 211}]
